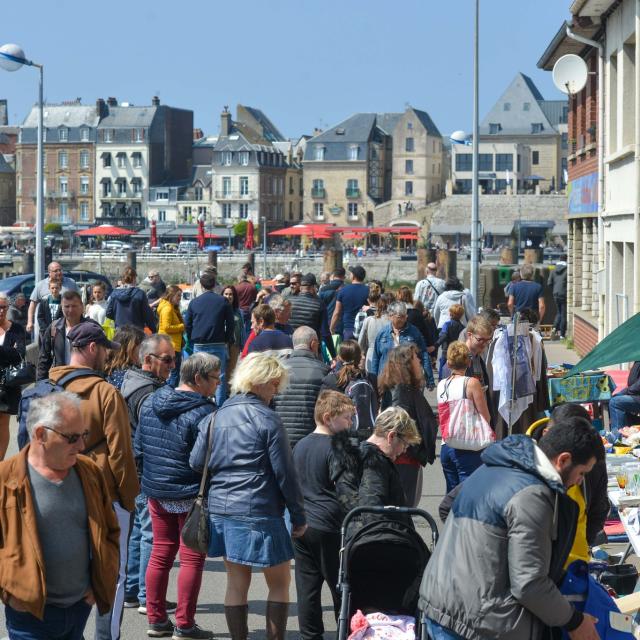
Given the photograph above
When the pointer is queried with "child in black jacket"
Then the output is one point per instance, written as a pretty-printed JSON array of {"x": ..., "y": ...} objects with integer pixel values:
[{"x": 449, "y": 333}]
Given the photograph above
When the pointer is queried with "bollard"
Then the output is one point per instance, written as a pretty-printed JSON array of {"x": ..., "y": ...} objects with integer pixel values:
[
  {"x": 212, "y": 259},
  {"x": 332, "y": 260},
  {"x": 251, "y": 259},
  {"x": 507, "y": 256},
  {"x": 423, "y": 261},
  {"x": 28, "y": 262},
  {"x": 447, "y": 262},
  {"x": 131, "y": 259},
  {"x": 532, "y": 256}
]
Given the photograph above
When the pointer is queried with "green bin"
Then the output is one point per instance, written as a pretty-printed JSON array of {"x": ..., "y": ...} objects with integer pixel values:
[{"x": 504, "y": 275}]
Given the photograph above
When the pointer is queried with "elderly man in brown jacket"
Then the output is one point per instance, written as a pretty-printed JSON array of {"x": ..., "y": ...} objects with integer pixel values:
[
  {"x": 104, "y": 412},
  {"x": 59, "y": 552}
]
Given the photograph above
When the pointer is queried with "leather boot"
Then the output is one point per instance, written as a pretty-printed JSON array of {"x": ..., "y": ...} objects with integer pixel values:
[
  {"x": 277, "y": 614},
  {"x": 237, "y": 621}
]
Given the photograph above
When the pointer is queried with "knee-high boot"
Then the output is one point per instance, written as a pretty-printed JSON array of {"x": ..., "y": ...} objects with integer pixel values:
[
  {"x": 237, "y": 621},
  {"x": 277, "y": 614}
]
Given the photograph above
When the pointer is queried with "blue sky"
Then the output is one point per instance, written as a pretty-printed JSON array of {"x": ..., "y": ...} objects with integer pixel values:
[{"x": 306, "y": 64}]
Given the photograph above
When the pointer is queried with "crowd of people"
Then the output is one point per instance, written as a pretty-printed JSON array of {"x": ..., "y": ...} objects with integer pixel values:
[{"x": 298, "y": 401}]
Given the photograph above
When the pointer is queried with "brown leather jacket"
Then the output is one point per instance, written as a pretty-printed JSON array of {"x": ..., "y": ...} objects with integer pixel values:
[
  {"x": 105, "y": 414},
  {"x": 22, "y": 574}
]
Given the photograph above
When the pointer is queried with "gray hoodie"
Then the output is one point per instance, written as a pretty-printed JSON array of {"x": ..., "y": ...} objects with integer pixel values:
[{"x": 137, "y": 385}]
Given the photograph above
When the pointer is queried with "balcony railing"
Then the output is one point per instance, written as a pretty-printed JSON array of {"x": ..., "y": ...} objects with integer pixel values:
[
  {"x": 121, "y": 196},
  {"x": 318, "y": 192},
  {"x": 58, "y": 195},
  {"x": 235, "y": 195},
  {"x": 352, "y": 193}
]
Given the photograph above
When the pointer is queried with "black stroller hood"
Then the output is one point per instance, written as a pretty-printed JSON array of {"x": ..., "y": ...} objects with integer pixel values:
[{"x": 384, "y": 562}]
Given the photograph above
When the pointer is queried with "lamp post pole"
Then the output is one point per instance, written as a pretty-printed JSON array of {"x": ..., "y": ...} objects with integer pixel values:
[
  {"x": 475, "y": 200},
  {"x": 264, "y": 245},
  {"x": 12, "y": 58}
]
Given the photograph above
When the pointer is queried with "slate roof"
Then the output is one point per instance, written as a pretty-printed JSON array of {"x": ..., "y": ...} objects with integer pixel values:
[
  {"x": 517, "y": 121},
  {"x": 554, "y": 110},
  {"x": 201, "y": 173},
  {"x": 428, "y": 123},
  {"x": 5, "y": 167},
  {"x": 68, "y": 115},
  {"x": 269, "y": 130},
  {"x": 356, "y": 128},
  {"x": 128, "y": 117}
]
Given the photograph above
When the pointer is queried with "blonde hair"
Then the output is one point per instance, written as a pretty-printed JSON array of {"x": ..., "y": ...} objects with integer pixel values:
[
  {"x": 257, "y": 369},
  {"x": 332, "y": 402},
  {"x": 398, "y": 420},
  {"x": 456, "y": 311},
  {"x": 479, "y": 324},
  {"x": 458, "y": 355}
]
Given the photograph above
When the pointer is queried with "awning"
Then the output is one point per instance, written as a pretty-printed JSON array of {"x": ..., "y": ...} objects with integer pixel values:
[
  {"x": 105, "y": 154},
  {"x": 620, "y": 346},
  {"x": 120, "y": 154},
  {"x": 103, "y": 180},
  {"x": 120, "y": 179}
]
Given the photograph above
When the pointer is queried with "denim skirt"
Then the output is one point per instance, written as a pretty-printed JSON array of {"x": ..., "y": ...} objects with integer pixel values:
[{"x": 254, "y": 541}]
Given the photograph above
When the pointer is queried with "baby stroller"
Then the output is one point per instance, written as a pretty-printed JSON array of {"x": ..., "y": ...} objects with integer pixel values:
[{"x": 381, "y": 564}]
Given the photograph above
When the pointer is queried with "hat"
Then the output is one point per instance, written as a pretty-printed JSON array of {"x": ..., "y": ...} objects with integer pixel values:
[
  {"x": 86, "y": 332},
  {"x": 308, "y": 280},
  {"x": 279, "y": 278},
  {"x": 358, "y": 272}
]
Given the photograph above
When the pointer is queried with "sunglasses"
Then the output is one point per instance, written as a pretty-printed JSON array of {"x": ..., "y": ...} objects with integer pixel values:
[
  {"x": 165, "y": 359},
  {"x": 71, "y": 438}
]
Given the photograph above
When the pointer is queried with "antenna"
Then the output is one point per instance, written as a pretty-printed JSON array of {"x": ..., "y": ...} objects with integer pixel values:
[{"x": 570, "y": 74}]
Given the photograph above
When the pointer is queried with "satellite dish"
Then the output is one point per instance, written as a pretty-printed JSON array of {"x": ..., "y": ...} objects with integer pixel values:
[{"x": 570, "y": 74}]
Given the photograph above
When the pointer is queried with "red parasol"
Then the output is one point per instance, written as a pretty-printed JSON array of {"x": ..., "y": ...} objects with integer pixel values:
[
  {"x": 201, "y": 234},
  {"x": 105, "y": 230},
  {"x": 313, "y": 230},
  {"x": 154, "y": 235},
  {"x": 407, "y": 236},
  {"x": 248, "y": 238}
]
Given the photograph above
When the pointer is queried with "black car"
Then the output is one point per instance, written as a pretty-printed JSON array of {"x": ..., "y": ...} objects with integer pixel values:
[{"x": 26, "y": 282}]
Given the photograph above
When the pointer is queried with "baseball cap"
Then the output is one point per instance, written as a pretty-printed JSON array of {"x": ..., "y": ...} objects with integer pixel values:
[
  {"x": 89, "y": 331},
  {"x": 279, "y": 278},
  {"x": 358, "y": 272},
  {"x": 308, "y": 280}
]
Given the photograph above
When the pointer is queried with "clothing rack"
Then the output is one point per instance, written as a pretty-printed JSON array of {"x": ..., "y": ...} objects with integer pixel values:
[{"x": 512, "y": 400}]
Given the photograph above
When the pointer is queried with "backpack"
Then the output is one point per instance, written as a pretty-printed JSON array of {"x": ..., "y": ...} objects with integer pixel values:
[
  {"x": 41, "y": 389},
  {"x": 364, "y": 398}
]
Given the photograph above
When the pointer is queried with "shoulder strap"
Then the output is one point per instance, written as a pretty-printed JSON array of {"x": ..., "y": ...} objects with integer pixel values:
[
  {"x": 78, "y": 373},
  {"x": 205, "y": 471}
]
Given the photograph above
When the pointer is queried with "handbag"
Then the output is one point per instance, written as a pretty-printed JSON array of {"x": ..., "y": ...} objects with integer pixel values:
[
  {"x": 461, "y": 424},
  {"x": 18, "y": 375},
  {"x": 195, "y": 530}
]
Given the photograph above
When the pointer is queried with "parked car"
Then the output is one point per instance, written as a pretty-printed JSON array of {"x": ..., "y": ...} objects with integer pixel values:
[
  {"x": 25, "y": 283},
  {"x": 116, "y": 245},
  {"x": 171, "y": 246},
  {"x": 159, "y": 247},
  {"x": 188, "y": 246}
]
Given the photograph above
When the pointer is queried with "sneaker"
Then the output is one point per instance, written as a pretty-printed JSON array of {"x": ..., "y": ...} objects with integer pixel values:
[
  {"x": 131, "y": 602},
  {"x": 169, "y": 606},
  {"x": 161, "y": 629},
  {"x": 195, "y": 633}
]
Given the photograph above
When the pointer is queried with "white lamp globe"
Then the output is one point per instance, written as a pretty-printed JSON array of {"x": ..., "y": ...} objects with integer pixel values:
[{"x": 14, "y": 51}]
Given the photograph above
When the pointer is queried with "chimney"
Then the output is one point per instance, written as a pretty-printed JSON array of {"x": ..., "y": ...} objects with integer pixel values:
[
  {"x": 225, "y": 122},
  {"x": 155, "y": 101},
  {"x": 198, "y": 134},
  {"x": 4, "y": 115},
  {"x": 112, "y": 102},
  {"x": 101, "y": 108},
  {"x": 316, "y": 131}
]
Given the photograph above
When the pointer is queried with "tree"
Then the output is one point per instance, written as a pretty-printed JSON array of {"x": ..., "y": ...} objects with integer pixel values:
[
  {"x": 240, "y": 228},
  {"x": 53, "y": 228}
]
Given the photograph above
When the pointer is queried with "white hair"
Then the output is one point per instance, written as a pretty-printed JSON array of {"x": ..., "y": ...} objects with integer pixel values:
[
  {"x": 4, "y": 296},
  {"x": 47, "y": 410},
  {"x": 150, "y": 344},
  {"x": 303, "y": 337}
]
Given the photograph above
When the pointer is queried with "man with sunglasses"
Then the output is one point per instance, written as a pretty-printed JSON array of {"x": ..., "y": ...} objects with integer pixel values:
[
  {"x": 157, "y": 360},
  {"x": 59, "y": 552},
  {"x": 104, "y": 413}
]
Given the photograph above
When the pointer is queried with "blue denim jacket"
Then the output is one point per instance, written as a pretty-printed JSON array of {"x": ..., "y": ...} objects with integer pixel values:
[{"x": 384, "y": 344}]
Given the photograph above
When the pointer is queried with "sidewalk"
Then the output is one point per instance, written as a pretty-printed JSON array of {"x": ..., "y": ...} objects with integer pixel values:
[{"x": 557, "y": 353}]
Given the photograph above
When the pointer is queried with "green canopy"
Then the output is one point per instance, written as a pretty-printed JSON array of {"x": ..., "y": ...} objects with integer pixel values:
[{"x": 620, "y": 346}]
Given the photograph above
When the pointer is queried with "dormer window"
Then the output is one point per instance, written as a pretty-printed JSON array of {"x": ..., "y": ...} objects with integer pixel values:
[
  {"x": 495, "y": 127},
  {"x": 63, "y": 134},
  {"x": 354, "y": 153},
  {"x": 318, "y": 153},
  {"x": 227, "y": 157},
  {"x": 506, "y": 106},
  {"x": 537, "y": 127},
  {"x": 84, "y": 134},
  {"x": 243, "y": 158}
]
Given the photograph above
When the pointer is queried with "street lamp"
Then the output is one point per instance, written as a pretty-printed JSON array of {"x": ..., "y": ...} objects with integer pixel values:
[
  {"x": 12, "y": 58},
  {"x": 263, "y": 220}
]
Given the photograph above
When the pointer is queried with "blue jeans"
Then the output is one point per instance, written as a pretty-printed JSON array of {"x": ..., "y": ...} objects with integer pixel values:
[
  {"x": 140, "y": 543},
  {"x": 438, "y": 632},
  {"x": 458, "y": 464},
  {"x": 222, "y": 352},
  {"x": 623, "y": 410},
  {"x": 57, "y": 624}
]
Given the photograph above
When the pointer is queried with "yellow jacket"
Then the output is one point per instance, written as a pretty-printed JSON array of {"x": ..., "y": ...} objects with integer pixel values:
[{"x": 171, "y": 323}]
